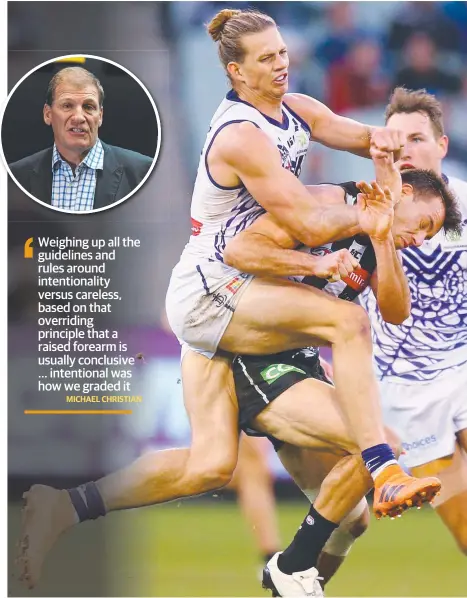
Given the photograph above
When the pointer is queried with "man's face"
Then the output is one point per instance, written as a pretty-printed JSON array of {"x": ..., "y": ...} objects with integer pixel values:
[
  {"x": 416, "y": 220},
  {"x": 423, "y": 149},
  {"x": 75, "y": 116},
  {"x": 264, "y": 68}
]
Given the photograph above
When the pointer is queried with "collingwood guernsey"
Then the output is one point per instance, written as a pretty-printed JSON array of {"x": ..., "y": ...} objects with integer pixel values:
[{"x": 350, "y": 287}]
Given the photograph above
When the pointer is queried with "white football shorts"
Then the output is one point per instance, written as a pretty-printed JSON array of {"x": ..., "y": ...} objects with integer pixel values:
[
  {"x": 201, "y": 300},
  {"x": 426, "y": 416}
]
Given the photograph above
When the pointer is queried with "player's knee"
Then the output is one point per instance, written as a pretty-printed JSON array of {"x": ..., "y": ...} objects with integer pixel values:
[
  {"x": 217, "y": 477},
  {"x": 359, "y": 526},
  {"x": 353, "y": 323},
  {"x": 212, "y": 474}
]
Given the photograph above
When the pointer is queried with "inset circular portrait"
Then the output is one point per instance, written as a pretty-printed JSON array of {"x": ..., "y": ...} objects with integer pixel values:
[{"x": 80, "y": 134}]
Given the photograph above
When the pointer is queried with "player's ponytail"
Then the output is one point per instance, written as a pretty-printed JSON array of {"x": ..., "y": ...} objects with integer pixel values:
[
  {"x": 216, "y": 26},
  {"x": 228, "y": 27}
]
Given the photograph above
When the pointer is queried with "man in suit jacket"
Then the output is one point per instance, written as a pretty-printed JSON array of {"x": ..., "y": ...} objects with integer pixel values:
[{"x": 80, "y": 172}]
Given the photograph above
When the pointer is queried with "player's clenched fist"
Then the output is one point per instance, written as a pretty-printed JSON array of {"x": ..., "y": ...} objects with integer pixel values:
[
  {"x": 388, "y": 140},
  {"x": 335, "y": 266}
]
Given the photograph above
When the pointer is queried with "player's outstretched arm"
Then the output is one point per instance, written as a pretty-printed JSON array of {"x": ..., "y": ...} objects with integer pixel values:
[
  {"x": 248, "y": 153},
  {"x": 389, "y": 283},
  {"x": 341, "y": 133},
  {"x": 267, "y": 249}
]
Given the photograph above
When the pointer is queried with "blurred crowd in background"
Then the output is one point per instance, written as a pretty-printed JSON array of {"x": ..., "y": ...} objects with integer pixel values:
[{"x": 351, "y": 55}]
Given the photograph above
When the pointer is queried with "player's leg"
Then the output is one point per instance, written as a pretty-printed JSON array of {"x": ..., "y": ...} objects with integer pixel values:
[
  {"x": 341, "y": 541},
  {"x": 308, "y": 469},
  {"x": 451, "y": 504},
  {"x": 336, "y": 518},
  {"x": 155, "y": 477},
  {"x": 307, "y": 415},
  {"x": 160, "y": 476},
  {"x": 253, "y": 483},
  {"x": 294, "y": 571},
  {"x": 297, "y": 316},
  {"x": 281, "y": 401}
]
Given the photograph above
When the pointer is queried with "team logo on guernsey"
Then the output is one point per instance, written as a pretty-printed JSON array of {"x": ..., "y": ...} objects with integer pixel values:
[
  {"x": 321, "y": 251},
  {"x": 276, "y": 370},
  {"x": 302, "y": 140},
  {"x": 453, "y": 242},
  {"x": 196, "y": 227}
]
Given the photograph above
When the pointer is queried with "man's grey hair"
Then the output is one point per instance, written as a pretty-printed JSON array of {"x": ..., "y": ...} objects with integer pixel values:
[{"x": 80, "y": 75}]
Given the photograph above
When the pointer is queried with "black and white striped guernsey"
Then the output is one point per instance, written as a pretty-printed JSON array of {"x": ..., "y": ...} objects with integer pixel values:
[{"x": 360, "y": 247}]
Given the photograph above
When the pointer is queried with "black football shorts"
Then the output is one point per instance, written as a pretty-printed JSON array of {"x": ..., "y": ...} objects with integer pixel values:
[{"x": 259, "y": 379}]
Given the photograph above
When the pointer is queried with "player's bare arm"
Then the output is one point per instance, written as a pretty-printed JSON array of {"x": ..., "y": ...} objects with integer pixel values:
[
  {"x": 275, "y": 188},
  {"x": 341, "y": 133},
  {"x": 389, "y": 283},
  {"x": 267, "y": 249}
]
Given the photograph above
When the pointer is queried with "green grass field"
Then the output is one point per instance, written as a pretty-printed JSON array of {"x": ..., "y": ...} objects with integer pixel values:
[{"x": 206, "y": 549}]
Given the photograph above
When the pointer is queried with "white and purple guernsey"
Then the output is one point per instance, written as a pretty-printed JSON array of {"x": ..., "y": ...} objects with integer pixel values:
[
  {"x": 219, "y": 213},
  {"x": 433, "y": 340}
]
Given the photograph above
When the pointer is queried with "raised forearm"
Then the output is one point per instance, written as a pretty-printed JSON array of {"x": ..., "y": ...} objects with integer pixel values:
[
  {"x": 311, "y": 222},
  {"x": 333, "y": 130},
  {"x": 393, "y": 292},
  {"x": 327, "y": 224},
  {"x": 343, "y": 133},
  {"x": 279, "y": 192},
  {"x": 257, "y": 254}
]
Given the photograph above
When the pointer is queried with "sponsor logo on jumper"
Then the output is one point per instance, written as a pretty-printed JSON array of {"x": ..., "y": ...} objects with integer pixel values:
[
  {"x": 234, "y": 285},
  {"x": 276, "y": 370},
  {"x": 356, "y": 252},
  {"x": 358, "y": 279},
  {"x": 420, "y": 443},
  {"x": 196, "y": 227}
]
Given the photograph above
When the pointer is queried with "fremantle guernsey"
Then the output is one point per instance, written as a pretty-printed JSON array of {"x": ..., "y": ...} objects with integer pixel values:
[
  {"x": 433, "y": 340},
  {"x": 219, "y": 213}
]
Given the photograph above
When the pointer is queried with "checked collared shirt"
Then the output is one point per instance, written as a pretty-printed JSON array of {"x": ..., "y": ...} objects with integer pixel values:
[{"x": 75, "y": 192}]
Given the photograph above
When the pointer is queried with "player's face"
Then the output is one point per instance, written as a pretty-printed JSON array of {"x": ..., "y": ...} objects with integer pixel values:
[
  {"x": 423, "y": 149},
  {"x": 75, "y": 117},
  {"x": 416, "y": 220},
  {"x": 264, "y": 69}
]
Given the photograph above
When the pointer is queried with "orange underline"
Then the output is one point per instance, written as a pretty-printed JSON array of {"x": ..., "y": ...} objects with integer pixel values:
[{"x": 77, "y": 412}]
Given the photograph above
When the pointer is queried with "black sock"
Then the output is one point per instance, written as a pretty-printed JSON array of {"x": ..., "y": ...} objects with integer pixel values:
[
  {"x": 87, "y": 501},
  {"x": 303, "y": 552}
]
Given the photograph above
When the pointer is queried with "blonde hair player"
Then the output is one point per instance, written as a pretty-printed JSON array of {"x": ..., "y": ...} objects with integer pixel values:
[{"x": 250, "y": 163}]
